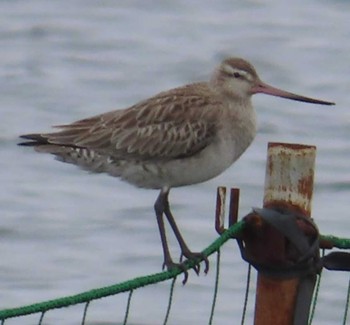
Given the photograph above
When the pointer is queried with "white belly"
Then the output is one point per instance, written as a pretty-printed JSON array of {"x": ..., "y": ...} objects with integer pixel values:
[{"x": 207, "y": 164}]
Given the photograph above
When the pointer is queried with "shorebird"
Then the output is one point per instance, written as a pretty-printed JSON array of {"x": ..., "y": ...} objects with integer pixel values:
[{"x": 182, "y": 136}]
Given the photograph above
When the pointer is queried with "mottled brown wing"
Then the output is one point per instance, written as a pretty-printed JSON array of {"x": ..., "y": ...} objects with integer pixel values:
[{"x": 169, "y": 125}]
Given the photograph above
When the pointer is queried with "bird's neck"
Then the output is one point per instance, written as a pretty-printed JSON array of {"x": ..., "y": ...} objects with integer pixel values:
[{"x": 241, "y": 124}]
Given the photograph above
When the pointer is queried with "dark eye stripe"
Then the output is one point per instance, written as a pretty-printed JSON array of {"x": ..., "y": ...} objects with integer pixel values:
[
  {"x": 235, "y": 74},
  {"x": 232, "y": 74}
]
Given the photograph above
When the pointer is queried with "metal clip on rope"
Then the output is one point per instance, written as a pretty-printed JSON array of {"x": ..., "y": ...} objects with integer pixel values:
[
  {"x": 282, "y": 244},
  {"x": 299, "y": 252}
]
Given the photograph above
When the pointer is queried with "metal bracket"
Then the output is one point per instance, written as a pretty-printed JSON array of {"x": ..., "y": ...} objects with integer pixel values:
[{"x": 220, "y": 208}]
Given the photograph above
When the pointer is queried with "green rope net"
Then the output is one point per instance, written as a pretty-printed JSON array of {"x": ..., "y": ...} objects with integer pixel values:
[
  {"x": 126, "y": 286},
  {"x": 131, "y": 285}
]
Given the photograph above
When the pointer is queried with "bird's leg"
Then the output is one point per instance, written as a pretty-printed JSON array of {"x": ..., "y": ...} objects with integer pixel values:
[
  {"x": 185, "y": 251},
  {"x": 159, "y": 208}
]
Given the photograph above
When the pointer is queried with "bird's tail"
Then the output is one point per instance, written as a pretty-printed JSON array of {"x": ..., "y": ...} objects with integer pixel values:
[
  {"x": 33, "y": 140},
  {"x": 85, "y": 158}
]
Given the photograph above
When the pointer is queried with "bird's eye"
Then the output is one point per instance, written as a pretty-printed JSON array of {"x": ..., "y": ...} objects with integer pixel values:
[{"x": 237, "y": 75}]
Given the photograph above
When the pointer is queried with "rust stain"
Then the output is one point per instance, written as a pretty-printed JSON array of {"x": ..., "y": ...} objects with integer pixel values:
[
  {"x": 234, "y": 205},
  {"x": 283, "y": 188},
  {"x": 282, "y": 308},
  {"x": 287, "y": 206},
  {"x": 294, "y": 146},
  {"x": 305, "y": 185},
  {"x": 270, "y": 166}
]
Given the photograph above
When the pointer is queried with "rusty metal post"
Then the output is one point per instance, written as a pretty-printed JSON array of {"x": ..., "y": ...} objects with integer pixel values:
[{"x": 288, "y": 184}]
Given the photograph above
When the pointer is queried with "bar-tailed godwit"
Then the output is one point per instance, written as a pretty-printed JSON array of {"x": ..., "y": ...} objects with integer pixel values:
[{"x": 178, "y": 137}]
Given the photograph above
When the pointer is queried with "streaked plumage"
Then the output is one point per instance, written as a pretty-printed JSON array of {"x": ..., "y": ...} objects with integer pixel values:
[{"x": 179, "y": 137}]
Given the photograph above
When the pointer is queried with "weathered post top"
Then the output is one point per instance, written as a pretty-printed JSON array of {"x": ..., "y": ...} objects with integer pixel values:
[{"x": 290, "y": 175}]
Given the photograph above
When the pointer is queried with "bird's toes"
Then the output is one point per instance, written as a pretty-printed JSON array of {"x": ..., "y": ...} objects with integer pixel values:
[
  {"x": 197, "y": 268},
  {"x": 170, "y": 265},
  {"x": 206, "y": 262},
  {"x": 197, "y": 256},
  {"x": 185, "y": 277},
  {"x": 192, "y": 256}
]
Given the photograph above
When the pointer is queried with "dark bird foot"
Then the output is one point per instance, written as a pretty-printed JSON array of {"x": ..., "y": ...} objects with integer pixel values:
[
  {"x": 198, "y": 258},
  {"x": 170, "y": 265},
  {"x": 191, "y": 256}
]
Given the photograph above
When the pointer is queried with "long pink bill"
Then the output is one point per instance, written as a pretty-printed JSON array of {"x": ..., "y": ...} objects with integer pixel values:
[{"x": 264, "y": 88}]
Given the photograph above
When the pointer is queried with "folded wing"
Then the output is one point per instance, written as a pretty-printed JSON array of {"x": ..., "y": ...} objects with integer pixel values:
[{"x": 166, "y": 126}]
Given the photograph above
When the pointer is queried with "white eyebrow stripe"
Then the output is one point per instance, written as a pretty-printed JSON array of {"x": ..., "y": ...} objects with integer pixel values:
[{"x": 231, "y": 71}]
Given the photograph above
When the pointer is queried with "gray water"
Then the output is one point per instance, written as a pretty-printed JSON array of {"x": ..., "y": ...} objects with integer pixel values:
[{"x": 64, "y": 231}]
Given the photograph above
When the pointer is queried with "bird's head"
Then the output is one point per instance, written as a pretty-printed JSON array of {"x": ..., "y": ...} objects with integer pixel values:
[
  {"x": 235, "y": 78},
  {"x": 238, "y": 79}
]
